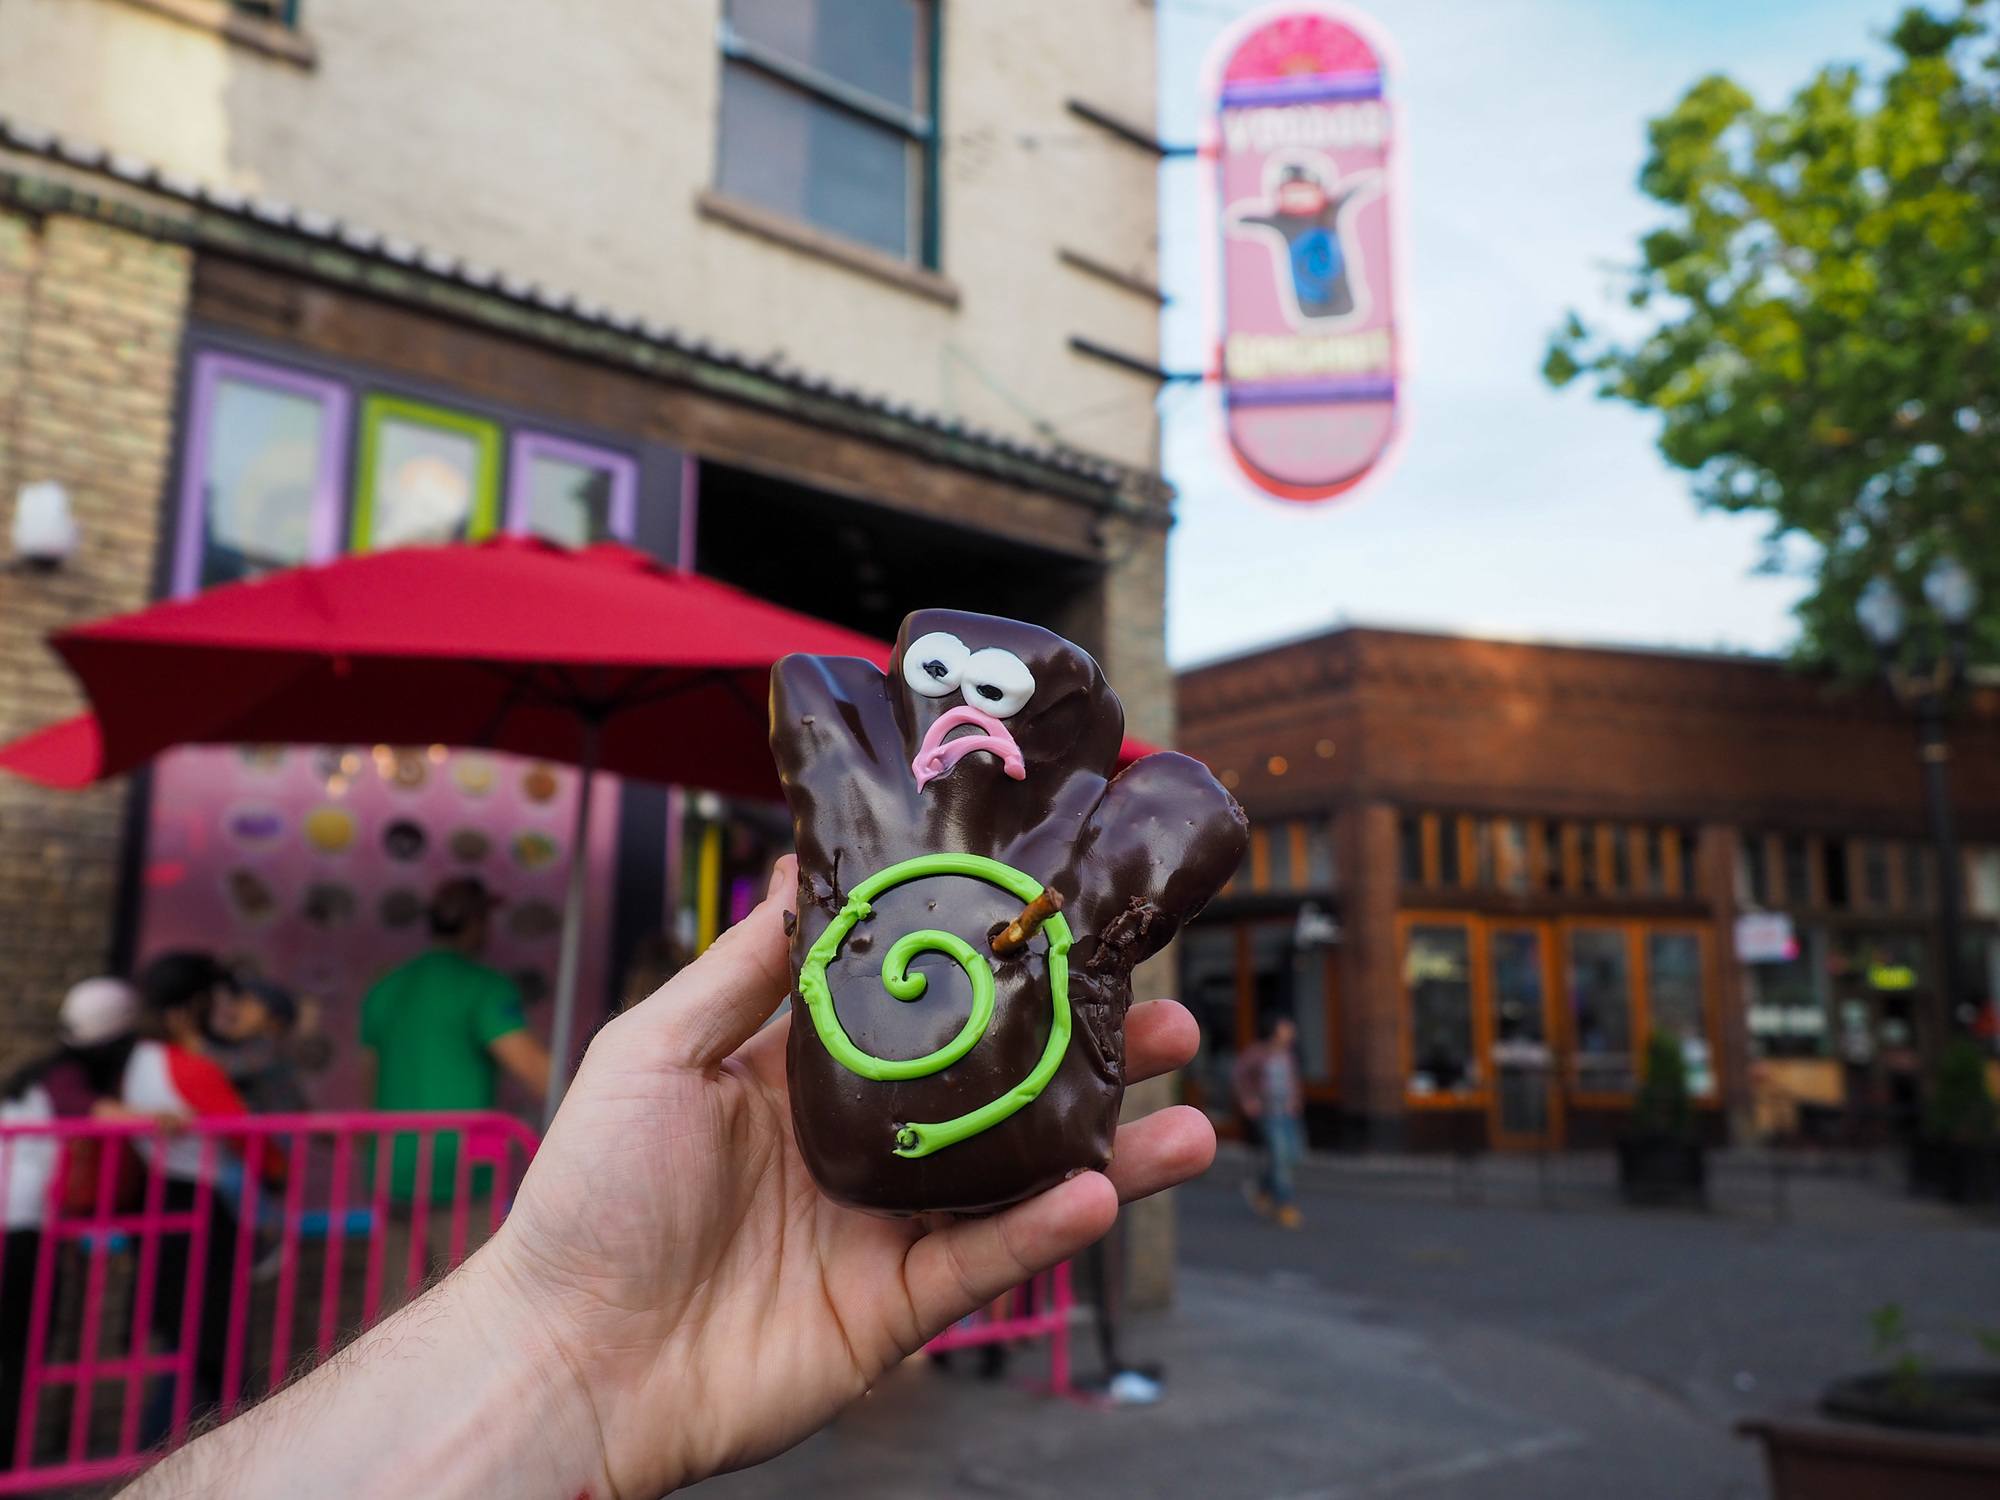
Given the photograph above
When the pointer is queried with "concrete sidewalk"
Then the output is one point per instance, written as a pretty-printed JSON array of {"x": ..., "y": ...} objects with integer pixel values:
[
  {"x": 1441, "y": 1331},
  {"x": 1278, "y": 1391},
  {"x": 1831, "y": 1189}
]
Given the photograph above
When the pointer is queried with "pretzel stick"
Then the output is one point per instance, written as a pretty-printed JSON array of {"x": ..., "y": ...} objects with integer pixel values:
[{"x": 1017, "y": 932}]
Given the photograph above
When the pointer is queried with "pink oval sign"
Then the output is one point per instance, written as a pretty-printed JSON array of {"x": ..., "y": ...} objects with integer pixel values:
[{"x": 1302, "y": 145}]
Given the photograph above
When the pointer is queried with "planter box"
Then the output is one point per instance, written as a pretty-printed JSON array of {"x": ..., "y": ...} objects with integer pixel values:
[
  {"x": 1955, "y": 1172},
  {"x": 1857, "y": 1461},
  {"x": 1662, "y": 1171}
]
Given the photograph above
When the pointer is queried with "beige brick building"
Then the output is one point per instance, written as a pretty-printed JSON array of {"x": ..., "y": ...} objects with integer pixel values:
[
  {"x": 830, "y": 311},
  {"x": 90, "y": 320}
]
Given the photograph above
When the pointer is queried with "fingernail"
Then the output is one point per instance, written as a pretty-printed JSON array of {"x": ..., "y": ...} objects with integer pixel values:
[{"x": 784, "y": 881}]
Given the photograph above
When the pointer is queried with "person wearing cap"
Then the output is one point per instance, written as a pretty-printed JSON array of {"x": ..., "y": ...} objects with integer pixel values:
[
  {"x": 443, "y": 1028},
  {"x": 96, "y": 1030}
]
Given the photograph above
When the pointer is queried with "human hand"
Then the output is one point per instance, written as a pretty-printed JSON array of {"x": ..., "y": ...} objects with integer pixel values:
[
  {"x": 698, "y": 1304},
  {"x": 166, "y": 1121}
]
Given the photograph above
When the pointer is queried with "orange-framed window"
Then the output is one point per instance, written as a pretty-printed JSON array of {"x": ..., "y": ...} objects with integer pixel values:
[
  {"x": 1441, "y": 833},
  {"x": 1513, "y": 863},
  {"x": 1291, "y": 855},
  {"x": 1441, "y": 852},
  {"x": 1260, "y": 858},
  {"x": 1982, "y": 882},
  {"x": 1623, "y": 981},
  {"x": 1575, "y": 866},
  {"x": 1919, "y": 872},
  {"x": 1442, "y": 1018},
  {"x": 1676, "y": 998},
  {"x": 1410, "y": 849},
  {"x": 1601, "y": 1016}
]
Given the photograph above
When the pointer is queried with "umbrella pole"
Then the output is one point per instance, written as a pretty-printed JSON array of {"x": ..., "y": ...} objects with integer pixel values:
[{"x": 571, "y": 959}]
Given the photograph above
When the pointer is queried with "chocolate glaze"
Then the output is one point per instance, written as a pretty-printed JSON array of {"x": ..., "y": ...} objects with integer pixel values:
[{"x": 1133, "y": 858}]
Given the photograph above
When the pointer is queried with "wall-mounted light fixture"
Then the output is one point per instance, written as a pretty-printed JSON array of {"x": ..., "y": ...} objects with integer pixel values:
[{"x": 44, "y": 532}]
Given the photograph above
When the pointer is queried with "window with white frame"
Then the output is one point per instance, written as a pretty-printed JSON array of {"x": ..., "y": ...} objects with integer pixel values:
[{"x": 829, "y": 116}]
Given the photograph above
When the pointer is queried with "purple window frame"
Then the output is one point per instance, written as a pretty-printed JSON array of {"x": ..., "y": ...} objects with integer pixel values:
[
  {"x": 323, "y": 524},
  {"x": 526, "y": 447}
]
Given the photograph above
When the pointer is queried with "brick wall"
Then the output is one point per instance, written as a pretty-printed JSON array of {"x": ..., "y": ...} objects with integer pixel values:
[
  {"x": 1506, "y": 727},
  {"x": 90, "y": 320},
  {"x": 1439, "y": 722}
]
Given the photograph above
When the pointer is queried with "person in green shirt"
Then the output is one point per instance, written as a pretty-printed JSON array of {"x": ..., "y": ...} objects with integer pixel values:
[{"x": 443, "y": 1027}]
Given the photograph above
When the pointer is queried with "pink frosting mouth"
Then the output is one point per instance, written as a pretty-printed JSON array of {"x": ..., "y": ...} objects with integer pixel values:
[{"x": 937, "y": 756}]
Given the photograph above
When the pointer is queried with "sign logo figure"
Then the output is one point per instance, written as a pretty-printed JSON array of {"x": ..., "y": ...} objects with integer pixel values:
[
  {"x": 1301, "y": 216},
  {"x": 1302, "y": 139}
]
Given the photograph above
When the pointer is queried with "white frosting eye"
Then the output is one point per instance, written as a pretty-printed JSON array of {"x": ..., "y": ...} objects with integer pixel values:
[
  {"x": 998, "y": 681},
  {"x": 933, "y": 663}
]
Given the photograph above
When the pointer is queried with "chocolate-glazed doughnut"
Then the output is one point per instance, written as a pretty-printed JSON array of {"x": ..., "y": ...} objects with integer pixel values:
[{"x": 969, "y": 789}]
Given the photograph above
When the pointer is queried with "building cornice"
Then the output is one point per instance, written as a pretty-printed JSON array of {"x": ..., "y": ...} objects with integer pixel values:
[{"x": 1456, "y": 669}]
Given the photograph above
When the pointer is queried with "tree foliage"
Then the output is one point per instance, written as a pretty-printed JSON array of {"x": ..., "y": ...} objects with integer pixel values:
[
  {"x": 1815, "y": 321},
  {"x": 1664, "y": 1106}
]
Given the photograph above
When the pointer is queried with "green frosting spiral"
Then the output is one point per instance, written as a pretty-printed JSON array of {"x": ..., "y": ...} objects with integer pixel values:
[{"x": 921, "y": 1139}]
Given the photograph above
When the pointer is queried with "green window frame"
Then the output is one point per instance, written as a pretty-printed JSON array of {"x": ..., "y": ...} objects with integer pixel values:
[
  {"x": 483, "y": 518},
  {"x": 279, "y": 12},
  {"x": 919, "y": 126}
]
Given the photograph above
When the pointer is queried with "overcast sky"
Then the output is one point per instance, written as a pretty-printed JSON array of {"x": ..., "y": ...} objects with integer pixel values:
[{"x": 1511, "y": 509}]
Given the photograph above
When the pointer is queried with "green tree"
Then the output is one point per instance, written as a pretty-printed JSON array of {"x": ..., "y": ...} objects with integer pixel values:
[
  {"x": 1815, "y": 321},
  {"x": 1664, "y": 1107}
]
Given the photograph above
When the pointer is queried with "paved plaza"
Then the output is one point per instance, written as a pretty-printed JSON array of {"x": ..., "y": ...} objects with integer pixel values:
[{"x": 1447, "y": 1332}]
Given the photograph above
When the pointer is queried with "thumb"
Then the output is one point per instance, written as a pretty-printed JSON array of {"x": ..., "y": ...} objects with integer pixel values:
[{"x": 716, "y": 1003}]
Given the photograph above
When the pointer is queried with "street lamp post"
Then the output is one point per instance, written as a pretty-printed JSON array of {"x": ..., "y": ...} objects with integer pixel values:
[{"x": 1928, "y": 690}]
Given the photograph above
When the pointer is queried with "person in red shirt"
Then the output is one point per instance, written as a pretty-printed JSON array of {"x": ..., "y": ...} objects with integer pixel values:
[{"x": 168, "y": 1074}]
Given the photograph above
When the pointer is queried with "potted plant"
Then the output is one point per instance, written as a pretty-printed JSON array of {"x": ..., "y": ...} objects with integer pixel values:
[
  {"x": 1660, "y": 1158},
  {"x": 1956, "y": 1153},
  {"x": 1905, "y": 1428}
]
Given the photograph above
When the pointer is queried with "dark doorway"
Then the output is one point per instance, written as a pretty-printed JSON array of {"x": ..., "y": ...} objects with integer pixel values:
[{"x": 866, "y": 566}]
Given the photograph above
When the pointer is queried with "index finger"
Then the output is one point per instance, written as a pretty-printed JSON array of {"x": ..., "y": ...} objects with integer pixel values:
[{"x": 716, "y": 1003}]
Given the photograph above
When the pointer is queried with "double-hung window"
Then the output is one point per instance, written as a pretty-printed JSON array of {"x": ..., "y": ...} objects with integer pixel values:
[
  {"x": 283, "y": 12},
  {"x": 829, "y": 116}
]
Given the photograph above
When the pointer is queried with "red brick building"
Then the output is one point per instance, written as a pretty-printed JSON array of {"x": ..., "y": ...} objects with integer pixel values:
[{"x": 1483, "y": 873}]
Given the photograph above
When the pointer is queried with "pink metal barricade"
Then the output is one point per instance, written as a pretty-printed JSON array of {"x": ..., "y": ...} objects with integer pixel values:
[
  {"x": 176, "y": 1277},
  {"x": 1034, "y": 1311}
]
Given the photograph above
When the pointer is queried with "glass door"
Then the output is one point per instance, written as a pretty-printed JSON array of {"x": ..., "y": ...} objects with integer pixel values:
[{"x": 1527, "y": 1109}]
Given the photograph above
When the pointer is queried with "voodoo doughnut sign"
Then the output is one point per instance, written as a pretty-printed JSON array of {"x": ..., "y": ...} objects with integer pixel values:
[
  {"x": 975, "y": 888},
  {"x": 1302, "y": 140}
]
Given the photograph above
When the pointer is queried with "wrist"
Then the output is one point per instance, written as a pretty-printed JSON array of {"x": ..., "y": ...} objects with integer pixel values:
[
  {"x": 581, "y": 1377},
  {"x": 527, "y": 1367},
  {"x": 461, "y": 1399}
]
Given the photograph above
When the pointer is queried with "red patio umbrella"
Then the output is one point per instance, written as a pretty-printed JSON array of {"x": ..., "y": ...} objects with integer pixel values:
[
  {"x": 601, "y": 657},
  {"x": 513, "y": 644}
]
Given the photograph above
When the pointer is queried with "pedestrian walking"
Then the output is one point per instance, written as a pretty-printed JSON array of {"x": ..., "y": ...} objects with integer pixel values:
[{"x": 1271, "y": 1097}]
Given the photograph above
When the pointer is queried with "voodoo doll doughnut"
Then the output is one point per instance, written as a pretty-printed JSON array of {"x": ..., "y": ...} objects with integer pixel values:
[{"x": 975, "y": 887}]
